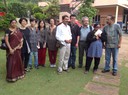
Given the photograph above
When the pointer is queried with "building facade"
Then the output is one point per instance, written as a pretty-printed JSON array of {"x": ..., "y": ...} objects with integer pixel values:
[{"x": 117, "y": 8}]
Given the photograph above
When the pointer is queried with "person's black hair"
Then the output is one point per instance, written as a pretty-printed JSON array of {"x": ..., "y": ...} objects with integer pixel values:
[
  {"x": 72, "y": 15},
  {"x": 21, "y": 19},
  {"x": 39, "y": 24},
  {"x": 33, "y": 19},
  {"x": 63, "y": 17},
  {"x": 95, "y": 25},
  {"x": 50, "y": 19},
  {"x": 12, "y": 21},
  {"x": 112, "y": 17}
]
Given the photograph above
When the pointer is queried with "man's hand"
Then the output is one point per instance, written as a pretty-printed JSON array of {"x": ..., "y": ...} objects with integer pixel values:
[
  {"x": 119, "y": 45},
  {"x": 68, "y": 41},
  {"x": 76, "y": 45}
]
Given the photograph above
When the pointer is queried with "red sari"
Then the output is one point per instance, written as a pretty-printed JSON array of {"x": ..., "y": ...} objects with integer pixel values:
[{"x": 14, "y": 63}]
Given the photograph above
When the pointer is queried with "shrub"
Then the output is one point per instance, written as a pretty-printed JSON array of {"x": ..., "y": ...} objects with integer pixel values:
[{"x": 4, "y": 22}]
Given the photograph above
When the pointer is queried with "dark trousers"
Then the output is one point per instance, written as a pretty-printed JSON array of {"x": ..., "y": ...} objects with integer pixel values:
[
  {"x": 82, "y": 51},
  {"x": 89, "y": 61},
  {"x": 72, "y": 58},
  {"x": 41, "y": 56},
  {"x": 25, "y": 59},
  {"x": 52, "y": 56}
]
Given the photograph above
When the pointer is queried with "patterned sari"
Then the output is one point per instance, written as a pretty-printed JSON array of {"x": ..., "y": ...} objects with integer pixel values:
[{"x": 14, "y": 63}]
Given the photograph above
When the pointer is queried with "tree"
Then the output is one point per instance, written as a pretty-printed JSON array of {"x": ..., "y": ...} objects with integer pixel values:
[
  {"x": 40, "y": 16},
  {"x": 18, "y": 9},
  {"x": 26, "y": 1},
  {"x": 4, "y": 22},
  {"x": 52, "y": 10},
  {"x": 2, "y": 7},
  {"x": 30, "y": 7},
  {"x": 37, "y": 9},
  {"x": 86, "y": 9}
]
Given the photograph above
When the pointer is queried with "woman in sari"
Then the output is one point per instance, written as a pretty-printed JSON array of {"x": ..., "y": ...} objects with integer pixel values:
[{"x": 14, "y": 41}]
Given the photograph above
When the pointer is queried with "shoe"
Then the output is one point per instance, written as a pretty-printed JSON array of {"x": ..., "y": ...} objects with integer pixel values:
[
  {"x": 105, "y": 71},
  {"x": 114, "y": 73},
  {"x": 80, "y": 66},
  {"x": 69, "y": 66},
  {"x": 59, "y": 72},
  {"x": 51, "y": 65},
  {"x": 43, "y": 65},
  {"x": 66, "y": 70},
  {"x": 54, "y": 65},
  {"x": 27, "y": 70},
  {"x": 73, "y": 67},
  {"x": 94, "y": 71},
  {"x": 30, "y": 67},
  {"x": 86, "y": 72},
  {"x": 36, "y": 67}
]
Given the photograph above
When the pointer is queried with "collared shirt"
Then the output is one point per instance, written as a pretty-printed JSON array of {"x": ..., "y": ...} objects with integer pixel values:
[
  {"x": 84, "y": 32},
  {"x": 75, "y": 30},
  {"x": 63, "y": 33},
  {"x": 113, "y": 33},
  {"x": 34, "y": 39}
]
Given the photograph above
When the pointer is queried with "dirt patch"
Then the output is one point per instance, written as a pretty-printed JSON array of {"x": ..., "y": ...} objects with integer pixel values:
[
  {"x": 126, "y": 65},
  {"x": 106, "y": 80},
  {"x": 83, "y": 94},
  {"x": 102, "y": 89}
]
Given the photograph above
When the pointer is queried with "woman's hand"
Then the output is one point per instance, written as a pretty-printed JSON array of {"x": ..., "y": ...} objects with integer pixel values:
[
  {"x": 97, "y": 37},
  {"x": 44, "y": 46},
  {"x": 12, "y": 51}
]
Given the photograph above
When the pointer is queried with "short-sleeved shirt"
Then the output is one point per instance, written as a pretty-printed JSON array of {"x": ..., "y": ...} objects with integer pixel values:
[
  {"x": 26, "y": 37},
  {"x": 7, "y": 32},
  {"x": 75, "y": 30},
  {"x": 113, "y": 33}
]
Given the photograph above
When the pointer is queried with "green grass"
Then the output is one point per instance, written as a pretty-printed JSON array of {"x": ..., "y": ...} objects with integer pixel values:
[{"x": 44, "y": 81}]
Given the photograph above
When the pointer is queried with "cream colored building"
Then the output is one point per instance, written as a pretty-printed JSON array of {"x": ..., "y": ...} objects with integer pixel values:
[{"x": 117, "y": 8}]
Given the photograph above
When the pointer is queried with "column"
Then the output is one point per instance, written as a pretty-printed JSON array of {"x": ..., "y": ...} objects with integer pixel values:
[{"x": 116, "y": 16}]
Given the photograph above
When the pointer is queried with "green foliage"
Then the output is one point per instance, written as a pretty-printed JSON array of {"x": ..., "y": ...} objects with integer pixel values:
[
  {"x": 18, "y": 9},
  {"x": 26, "y": 1},
  {"x": 87, "y": 10},
  {"x": 4, "y": 22},
  {"x": 2, "y": 7},
  {"x": 39, "y": 16},
  {"x": 30, "y": 7},
  {"x": 52, "y": 10},
  {"x": 37, "y": 9}
]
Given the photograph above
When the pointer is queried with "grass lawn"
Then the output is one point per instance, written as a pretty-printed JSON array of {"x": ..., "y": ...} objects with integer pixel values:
[{"x": 46, "y": 81}]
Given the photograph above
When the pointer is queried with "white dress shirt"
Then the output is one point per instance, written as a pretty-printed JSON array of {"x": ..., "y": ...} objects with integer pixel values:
[{"x": 63, "y": 33}]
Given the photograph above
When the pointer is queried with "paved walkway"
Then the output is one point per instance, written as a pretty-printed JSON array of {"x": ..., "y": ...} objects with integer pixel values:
[{"x": 106, "y": 84}]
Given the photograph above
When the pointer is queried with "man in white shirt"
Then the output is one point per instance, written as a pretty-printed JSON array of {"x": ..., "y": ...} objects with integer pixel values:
[{"x": 63, "y": 35}]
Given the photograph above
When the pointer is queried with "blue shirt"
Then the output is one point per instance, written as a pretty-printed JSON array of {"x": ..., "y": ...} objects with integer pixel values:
[{"x": 84, "y": 32}]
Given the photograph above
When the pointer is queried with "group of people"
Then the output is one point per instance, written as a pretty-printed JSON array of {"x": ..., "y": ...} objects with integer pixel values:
[{"x": 27, "y": 41}]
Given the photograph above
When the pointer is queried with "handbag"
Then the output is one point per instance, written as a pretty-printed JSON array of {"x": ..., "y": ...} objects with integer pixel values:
[
  {"x": 3, "y": 45},
  {"x": 58, "y": 44}
]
